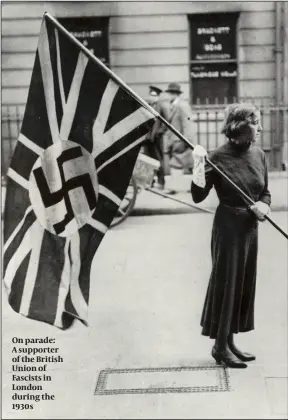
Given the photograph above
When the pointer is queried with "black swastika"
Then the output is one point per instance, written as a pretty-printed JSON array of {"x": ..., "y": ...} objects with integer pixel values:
[{"x": 49, "y": 199}]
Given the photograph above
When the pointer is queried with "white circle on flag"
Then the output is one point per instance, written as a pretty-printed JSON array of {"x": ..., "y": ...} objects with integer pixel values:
[{"x": 63, "y": 188}]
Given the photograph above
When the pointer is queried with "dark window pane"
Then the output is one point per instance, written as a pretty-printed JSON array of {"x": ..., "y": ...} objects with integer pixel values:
[
  {"x": 213, "y": 82},
  {"x": 224, "y": 90},
  {"x": 213, "y": 36}
]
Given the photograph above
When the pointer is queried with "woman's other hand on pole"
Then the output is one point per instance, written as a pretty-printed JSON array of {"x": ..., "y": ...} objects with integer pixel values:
[{"x": 260, "y": 209}]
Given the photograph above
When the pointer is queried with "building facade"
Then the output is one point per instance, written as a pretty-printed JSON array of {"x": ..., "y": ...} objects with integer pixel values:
[{"x": 218, "y": 51}]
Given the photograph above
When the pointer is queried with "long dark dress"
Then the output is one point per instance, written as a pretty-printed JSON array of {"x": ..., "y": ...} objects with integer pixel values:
[{"x": 229, "y": 302}]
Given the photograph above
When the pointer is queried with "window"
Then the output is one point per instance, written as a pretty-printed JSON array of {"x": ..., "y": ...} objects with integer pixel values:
[
  {"x": 213, "y": 58},
  {"x": 92, "y": 32}
]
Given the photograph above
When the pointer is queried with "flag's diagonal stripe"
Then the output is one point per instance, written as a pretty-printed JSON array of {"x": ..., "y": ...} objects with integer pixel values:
[
  {"x": 11, "y": 238},
  {"x": 64, "y": 286},
  {"x": 48, "y": 82},
  {"x": 77, "y": 297},
  {"x": 122, "y": 152},
  {"x": 102, "y": 116},
  {"x": 18, "y": 178},
  {"x": 126, "y": 125},
  {"x": 121, "y": 129},
  {"x": 24, "y": 248},
  {"x": 59, "y": 69},
  {"x": 109, "y": 194},
  {"x": 30, "y": 144},
  {"x": 32, "y": 270},
  {"x": 98, "y": 225},
  {"x": 70, "y": 107}
]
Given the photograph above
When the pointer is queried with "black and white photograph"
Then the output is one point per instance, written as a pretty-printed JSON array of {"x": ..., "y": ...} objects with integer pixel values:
[{"x": 144, "y": 209}]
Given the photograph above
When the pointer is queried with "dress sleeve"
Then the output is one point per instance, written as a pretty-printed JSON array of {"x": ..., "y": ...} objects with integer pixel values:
[
  {"x": 265, "y": 196},
  {"x": 199, "y": 194}
]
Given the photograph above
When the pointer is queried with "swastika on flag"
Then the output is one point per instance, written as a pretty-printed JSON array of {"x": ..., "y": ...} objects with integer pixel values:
[{"x": 63, "y": 188}]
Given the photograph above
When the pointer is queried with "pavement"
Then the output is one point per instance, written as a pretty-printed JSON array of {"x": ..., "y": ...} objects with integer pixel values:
[
  {"x": 149, "y": 279},
  {"x": 148, "y": 203}
]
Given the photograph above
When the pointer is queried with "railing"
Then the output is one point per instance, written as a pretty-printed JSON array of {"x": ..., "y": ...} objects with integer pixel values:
[
  {"x": 208, "y": 119},
  {"x": 209, "y": 122}
]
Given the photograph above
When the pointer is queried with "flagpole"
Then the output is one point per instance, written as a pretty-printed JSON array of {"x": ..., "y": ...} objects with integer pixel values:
[
  {"x": 193, "y": 206},
  {"x": 151, "y": 110}
]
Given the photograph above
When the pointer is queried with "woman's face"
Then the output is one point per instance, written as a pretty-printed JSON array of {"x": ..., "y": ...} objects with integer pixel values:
[
  {"x": 249, "y": 132},
  {"x": 255, "y": 127}
]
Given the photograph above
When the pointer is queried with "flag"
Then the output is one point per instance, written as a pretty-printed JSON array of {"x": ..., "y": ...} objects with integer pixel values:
[{"x": 79, "y": 141}]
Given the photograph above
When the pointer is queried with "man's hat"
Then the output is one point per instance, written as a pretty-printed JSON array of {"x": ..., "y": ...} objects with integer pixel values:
[
  {"x": 155, "y": 89},
  {"x": 174, "y": 88}
]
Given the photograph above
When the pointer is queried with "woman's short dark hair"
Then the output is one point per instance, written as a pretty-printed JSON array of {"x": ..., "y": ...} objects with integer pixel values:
[{"x": 237, "y": 117}]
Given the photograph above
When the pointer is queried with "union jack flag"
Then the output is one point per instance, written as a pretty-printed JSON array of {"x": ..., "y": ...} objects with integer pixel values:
[{"x": 79, "y": 141}]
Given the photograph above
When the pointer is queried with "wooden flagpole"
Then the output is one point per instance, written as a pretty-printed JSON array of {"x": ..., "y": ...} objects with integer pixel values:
[{"x": 152, "y": 111}]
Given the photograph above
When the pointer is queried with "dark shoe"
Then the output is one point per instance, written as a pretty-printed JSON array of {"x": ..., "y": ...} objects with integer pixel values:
[
  {"x": 245, "y": 357},
  {"x": 228, "y": 359}
]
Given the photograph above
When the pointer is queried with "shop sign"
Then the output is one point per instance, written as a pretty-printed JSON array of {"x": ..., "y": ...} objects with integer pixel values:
[
  {"x": 213, "y": 38},
  {"x": 213, "y": 71}
]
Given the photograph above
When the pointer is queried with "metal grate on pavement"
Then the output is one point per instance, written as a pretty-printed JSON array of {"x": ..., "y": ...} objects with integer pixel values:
[{"x": 203, "y": 378}]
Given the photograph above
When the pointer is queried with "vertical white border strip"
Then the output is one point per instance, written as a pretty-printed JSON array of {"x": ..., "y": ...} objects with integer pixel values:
[
  {"x": 31, "y": 275},
  {"x": 48, "y": 81},
  {"x": 70, "y": 107},
  {"x": 63, "y": 286},
  {"x": 59, "y": 69},
  {"x": 102, "y": 117},
  {"x": 77, "y": 298}
]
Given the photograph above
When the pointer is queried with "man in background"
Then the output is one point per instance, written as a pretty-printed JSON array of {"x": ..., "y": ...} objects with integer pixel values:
[
  {"x": 154, "y": 141},
  {"x": 177, "y": 155}
]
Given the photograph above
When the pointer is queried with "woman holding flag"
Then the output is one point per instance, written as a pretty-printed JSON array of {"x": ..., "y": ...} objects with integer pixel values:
[{"x": 229, "y": 302}]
